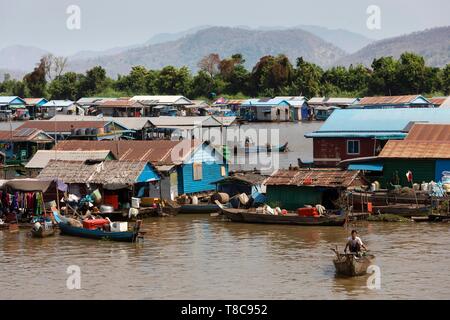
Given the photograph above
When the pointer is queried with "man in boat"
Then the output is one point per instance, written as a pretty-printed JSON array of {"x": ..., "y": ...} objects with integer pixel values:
[{"x": 354, "y": 243}]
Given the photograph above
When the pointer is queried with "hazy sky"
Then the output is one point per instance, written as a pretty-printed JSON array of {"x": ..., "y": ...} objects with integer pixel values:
[{"x": 110, "y": 23}]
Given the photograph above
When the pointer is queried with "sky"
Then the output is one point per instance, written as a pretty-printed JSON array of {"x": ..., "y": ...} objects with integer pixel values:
[{"x": 110, "y": 23}]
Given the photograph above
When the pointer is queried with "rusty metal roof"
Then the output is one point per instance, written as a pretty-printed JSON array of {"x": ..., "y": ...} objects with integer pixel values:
[
  {"x": 121, "y": 103},
  {"x": 312, "y": 177},
  {"x": 157, "y": 152},
  {"x": 429, "y": 132},
  {"x": 387, "y": 100},
  {"x": 437, "y": 101},
  {"x": 61, "y": 126},
  {"x": 25, "y": 134},
  {"x": 416, "y": 149}
]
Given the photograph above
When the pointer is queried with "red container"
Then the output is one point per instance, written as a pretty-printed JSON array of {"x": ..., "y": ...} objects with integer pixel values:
[
  {"x": 307, "y": 212},
  {"x": 94, "y": 224},
  {"x": 112, "y": 200}
]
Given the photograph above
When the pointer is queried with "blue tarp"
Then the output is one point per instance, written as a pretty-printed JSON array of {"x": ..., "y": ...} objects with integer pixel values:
[{"x": 366, "y": 166}]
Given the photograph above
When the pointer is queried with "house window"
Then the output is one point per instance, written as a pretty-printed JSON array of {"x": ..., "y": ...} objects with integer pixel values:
[
  {"x": 223, "y": 172},
  {"x": 197, "y": 167},
  {"x": 352, "y": 146}
]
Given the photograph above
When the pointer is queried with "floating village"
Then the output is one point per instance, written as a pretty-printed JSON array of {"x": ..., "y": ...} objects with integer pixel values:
[{"x": 99, "y": 167}]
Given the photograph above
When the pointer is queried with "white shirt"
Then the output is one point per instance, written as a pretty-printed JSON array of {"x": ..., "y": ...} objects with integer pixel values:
[{"x": 355, "y": 241}]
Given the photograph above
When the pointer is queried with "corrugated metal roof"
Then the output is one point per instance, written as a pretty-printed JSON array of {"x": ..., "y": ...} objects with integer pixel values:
[
  {"x": 163, "y": 99},
  {"x": 121, "y": 103},
  {"x": 437, "y": 101},
  {"x": 386, "y": 120},
  {"x": 157, "y": 152},
  {"x": 263, "y": 102},
  {"x": 316, "y": 177},
  {"x": 7, "y": 99},
  {"x": 61, "y": 126},
  {"x": 42, "y": 157},
  {"x": 58, "y": 103},
  {"x": 429, "y": 132},
  {"x": 25, "y": 134},
  {"x": 416, "y": 149},
  {"x": 389, "y": 100},
  {"x": 33, "y": 101}
]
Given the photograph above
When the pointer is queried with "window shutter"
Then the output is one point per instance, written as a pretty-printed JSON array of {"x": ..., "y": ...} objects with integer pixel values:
[{"x": 197, "y": 168}]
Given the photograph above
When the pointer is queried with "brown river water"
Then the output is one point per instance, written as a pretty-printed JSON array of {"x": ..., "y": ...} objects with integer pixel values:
[{"x": 202, "y": 257}]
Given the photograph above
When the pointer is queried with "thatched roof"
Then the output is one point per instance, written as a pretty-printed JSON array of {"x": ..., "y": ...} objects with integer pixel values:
[{"x": 106, "y": 172}]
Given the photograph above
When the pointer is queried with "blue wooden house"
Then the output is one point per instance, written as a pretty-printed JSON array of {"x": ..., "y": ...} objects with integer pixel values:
[
  {"x": 265, "y": 109},
  {"x": 202, "y": 168}
]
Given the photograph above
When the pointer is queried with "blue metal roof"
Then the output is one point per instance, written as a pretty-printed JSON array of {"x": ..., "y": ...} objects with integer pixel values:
[
  {"x": 264, "y": 102},
  {"x": 380, "y": 135},
  {"x": 366, "y": 166},
  {"x": 379, "y": 120}
]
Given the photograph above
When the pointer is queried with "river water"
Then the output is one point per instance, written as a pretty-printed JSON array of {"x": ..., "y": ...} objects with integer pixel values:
[{"x": 201, "y": 257}]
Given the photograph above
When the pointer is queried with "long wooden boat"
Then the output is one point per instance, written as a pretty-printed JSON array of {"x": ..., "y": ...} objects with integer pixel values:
[
  {"x": 351, "y": 265},
  {"x": 261, "y": 149},
  {"x": 382, "y": 198},
  {"x": 403, "y": 209},
  {"x": 199, "y": 208},
  {"x": 67, "y": 229},
  {"x": 250, "y": 216}
]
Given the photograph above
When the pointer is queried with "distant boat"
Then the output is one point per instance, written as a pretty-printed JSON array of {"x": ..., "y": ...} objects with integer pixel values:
[
  {"x": 124, "y": 236},
  {"x": 250, "y": 216},
  {"x": 261, "y": 149}
]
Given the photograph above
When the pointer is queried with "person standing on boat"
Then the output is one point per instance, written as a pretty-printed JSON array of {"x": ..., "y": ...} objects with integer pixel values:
[{"x": 354, "y": 243}]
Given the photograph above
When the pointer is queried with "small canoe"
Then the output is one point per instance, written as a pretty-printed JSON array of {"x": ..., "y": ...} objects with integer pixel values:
[
  {"x": 261, "y": 149},
  {"x": 421, "y": 219},
  {"x": 125, "y": 236},
  {"x": 250, "y": 216},
  {"x": 351, "y": 265},
  {"x": 42, "y": 232}
]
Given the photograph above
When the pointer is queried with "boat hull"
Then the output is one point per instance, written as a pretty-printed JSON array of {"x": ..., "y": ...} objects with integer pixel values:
[
  {"x": 237, "y": 215},
  {"x": 69, "y": 230},
  {"x": 199, "y": 208},
  {"x": 351, "y": 266},
  {"x": 42, "y": 233}
]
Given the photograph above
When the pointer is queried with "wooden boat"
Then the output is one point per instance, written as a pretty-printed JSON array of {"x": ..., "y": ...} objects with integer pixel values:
[
  {"x": 250, "y": 216},
  {"x": 421, "y": 219},
  {"x": 199, "y": 208},
  {"x": 351, "y": 265},
  {"x": 385, "y": 197},
  {"x": 125, "y": 236},
  {"x": 438, "y": 217},
  {"x": 43, "y": 232},
  {"x": 261, "y": 149},
  {"x": 403, "y": 209}
]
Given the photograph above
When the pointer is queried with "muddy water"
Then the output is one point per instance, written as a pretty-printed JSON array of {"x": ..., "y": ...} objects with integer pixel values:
[
  {"x": 199, "y": 257},
  {"x": 275, "y": 134}
]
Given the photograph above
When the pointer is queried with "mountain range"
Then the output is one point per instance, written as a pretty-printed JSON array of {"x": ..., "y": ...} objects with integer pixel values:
[{"x": 323, "y": 46}]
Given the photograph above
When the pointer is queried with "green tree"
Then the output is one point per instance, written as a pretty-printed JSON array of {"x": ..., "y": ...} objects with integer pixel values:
[
  {"x": 445, "y": 80},
  {"x": 94, "y": 81},
  {"x": 35, "y": 80},
  {"x": 65, "y": 87},
  {"x": 270, "y": 75},
  {"x": 307, "y": 78},
  {"x": 173, "y": 81},
  {"x": 383, "y": 78},
  {"x": 411, "y": 73}
]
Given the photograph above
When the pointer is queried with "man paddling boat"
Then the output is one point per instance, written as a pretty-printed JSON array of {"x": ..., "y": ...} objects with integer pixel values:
[{"x": 354, "y": 243}]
